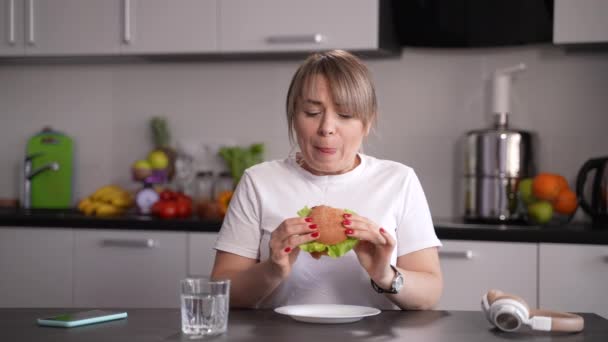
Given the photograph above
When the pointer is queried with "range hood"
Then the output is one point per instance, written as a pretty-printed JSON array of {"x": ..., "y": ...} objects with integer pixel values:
[{"x": 473, "y": 23}]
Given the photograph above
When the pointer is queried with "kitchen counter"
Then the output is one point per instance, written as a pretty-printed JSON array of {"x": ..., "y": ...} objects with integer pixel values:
[
  {"x": 268, "y": 326},
  {"x": 450, "y": 229}
]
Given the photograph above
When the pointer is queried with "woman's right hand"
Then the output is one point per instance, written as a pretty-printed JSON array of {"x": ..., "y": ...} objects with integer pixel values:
[{"x": 286, "y": 238}]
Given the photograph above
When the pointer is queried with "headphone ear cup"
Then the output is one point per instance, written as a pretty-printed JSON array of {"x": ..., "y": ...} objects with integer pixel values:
[{"x": 509, "y": 314}]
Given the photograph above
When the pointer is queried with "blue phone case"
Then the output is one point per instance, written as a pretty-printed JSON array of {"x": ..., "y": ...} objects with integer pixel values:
[{"x": 62, "y": 321}]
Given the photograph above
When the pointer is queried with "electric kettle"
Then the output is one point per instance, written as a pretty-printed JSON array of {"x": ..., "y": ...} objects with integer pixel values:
[{"x": 597, "y": 208}]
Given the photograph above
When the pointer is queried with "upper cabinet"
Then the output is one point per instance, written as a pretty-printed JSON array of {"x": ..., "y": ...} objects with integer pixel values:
[
  {"x": 70, "y": 27},
  {"x": 147, "y": 27},
  {"x": 169, "y": 26},
  {"x": 11, "y": 27},
  {"x": 581, "y": 21},
  {"x": 288, "y": 26}
]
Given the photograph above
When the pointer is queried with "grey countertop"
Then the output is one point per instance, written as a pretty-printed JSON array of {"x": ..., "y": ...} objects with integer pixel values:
[
  {"x": 446, "y": 228},
  {"x": 268, "y": 326}
]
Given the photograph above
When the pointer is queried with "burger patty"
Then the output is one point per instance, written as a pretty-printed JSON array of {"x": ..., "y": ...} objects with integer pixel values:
[{"x": 329, "y": 223}]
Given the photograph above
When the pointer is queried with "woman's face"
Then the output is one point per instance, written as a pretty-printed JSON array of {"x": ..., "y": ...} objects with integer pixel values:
[{"x": 329, "y": 138}]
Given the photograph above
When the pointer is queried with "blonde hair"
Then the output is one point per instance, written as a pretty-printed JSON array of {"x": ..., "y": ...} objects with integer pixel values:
[{"x": 348, "y": 78}]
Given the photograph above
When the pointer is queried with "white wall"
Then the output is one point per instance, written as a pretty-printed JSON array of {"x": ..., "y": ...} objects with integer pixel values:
[{"x": 428, "y": 99}]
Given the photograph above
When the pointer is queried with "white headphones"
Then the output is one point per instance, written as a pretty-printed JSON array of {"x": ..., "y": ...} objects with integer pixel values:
[{"x": 509, "y": 313}]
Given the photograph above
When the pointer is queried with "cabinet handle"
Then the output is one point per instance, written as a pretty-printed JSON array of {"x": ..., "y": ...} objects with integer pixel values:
[
  {"x": 11, "y": 22},
  {"x": 468, "y": 254},
  {"x": 145, "y": 243},
  {"x": 31, "y": 39},
  {"x": 127, "y": 21},
  {"x": 316, "y": 38}
]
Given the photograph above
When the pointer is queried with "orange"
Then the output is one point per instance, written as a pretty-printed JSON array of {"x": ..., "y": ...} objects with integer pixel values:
[
  {"x": 562, "y": 181},
  {"x": 223, "y": 199},
  {"x": 565, "y": 202},
  {"x": 546, "y": 186}
]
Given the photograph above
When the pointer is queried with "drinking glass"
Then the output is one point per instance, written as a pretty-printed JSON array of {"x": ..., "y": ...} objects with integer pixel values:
[{"x": 204, "y": 306}]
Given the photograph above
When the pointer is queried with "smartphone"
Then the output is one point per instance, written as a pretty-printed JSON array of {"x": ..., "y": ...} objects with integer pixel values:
[{"x": 81, "y": 318}]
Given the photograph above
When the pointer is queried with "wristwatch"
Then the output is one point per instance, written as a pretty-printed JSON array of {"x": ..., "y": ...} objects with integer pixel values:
[{"x": 396, "y": 285}]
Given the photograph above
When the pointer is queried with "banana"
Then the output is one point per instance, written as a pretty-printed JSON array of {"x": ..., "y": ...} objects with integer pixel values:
[
  {"x": 105, "y": 210},
  {"x": 84, "y": 202},
  {"x": 107, "y": 190},
  {"x": 122, "y": 201},
  {"x": 108, "y": 200},
  {"x": 90, "y": 208}
]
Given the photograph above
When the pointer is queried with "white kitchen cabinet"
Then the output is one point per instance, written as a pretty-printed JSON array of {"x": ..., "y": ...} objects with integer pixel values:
[
  {"x": 580, "y": 21},
  {"x": 12, "y": 26},
  {"x": 128, "y": 268},
  {"x": 471, "y": 268},
  {"x": 201, "y": 253},
  {"x": 35, "y": 267},
  {"x": 574, "y": 278},
  {"x": 291, "y": 25},
  {"x": 169, "y": 26},
  {"x": 72, "y": 27}
]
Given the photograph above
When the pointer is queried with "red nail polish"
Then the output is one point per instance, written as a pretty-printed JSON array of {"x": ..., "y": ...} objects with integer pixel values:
[
  {"x": 349, "y": 231},
  {"x": 346, "y": 222},
  {"x": 308, "y": 219},
  {"x": 287, "y": 249},
  {"x": 315, "y": 234},
  {"x": 312, "y": 226},
  {"x": 347, "y": 215},
  {"x": 382, "y": 230}
]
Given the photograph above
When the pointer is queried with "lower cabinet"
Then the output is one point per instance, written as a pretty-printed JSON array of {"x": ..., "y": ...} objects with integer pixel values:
[
  {"x": 574, "y": 278},
  {"x": 471, "y": 268},
  {"x": 201, "y": 254},
  {"x": 35, "y": 267},
  {"x": 122, "y": 268},
  {"x": 52, "y": 267}
]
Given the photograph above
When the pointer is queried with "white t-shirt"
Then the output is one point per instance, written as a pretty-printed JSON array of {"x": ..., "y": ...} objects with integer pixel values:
[{"x": 386, "y": 192}]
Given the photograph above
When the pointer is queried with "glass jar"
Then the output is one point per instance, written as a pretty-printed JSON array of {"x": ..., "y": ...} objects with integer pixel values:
[
  {"x": 223, "y": 184},
  {"x": 204, "y": 186}
]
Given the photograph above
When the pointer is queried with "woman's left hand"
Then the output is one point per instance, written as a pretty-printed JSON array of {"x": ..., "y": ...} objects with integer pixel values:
[{"x": 375, "y": 245}]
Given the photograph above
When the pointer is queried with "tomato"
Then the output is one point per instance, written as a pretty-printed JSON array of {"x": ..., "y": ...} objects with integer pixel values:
[
  {"x": 167, "y": 195},
  {"x": 183, "y": 209},
  {"x": 167, "y": 210},
  {"x": 156, "y": 208}
]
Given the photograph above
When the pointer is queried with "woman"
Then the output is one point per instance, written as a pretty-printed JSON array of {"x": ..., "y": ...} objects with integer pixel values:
[{"x": 331, "y": 107}]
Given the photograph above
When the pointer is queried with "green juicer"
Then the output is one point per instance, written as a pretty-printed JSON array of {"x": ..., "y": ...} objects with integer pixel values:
[{"x": 49, "y": 171}]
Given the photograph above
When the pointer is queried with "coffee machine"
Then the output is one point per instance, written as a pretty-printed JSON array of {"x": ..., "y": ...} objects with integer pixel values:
[{"x": 496, "y": 159}]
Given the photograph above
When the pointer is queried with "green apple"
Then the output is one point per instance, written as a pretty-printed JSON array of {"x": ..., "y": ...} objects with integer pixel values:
[
  {"x": 540, "y": 212},
  {"x": 158, "y": 160},
  {"x": 525, "y": 191},
  {"x": 142, "y": 164}
]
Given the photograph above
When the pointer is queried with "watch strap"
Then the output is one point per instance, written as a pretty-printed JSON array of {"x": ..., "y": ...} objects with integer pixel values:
[{"x": 392, "y": 289}]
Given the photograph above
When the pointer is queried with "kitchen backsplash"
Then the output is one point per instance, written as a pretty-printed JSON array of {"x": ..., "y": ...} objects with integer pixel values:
[{"x": 428, "y": 99}]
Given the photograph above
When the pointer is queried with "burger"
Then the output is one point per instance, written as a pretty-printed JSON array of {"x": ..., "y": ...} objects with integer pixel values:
[{"x": 333, "y": 240}]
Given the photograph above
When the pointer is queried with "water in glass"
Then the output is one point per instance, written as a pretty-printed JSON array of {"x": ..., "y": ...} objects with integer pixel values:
[{"x": 204, "y": 313}]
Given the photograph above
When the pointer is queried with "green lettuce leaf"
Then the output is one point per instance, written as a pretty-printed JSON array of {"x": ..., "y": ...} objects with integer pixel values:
[
  {"x": 304, "y": 211},
  {"x": 334, "y": 251},
  {"x": 339, "y": 249}
]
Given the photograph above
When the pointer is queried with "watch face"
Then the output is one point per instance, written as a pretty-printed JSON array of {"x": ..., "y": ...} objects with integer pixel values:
[{"x": 398, "y": 283}]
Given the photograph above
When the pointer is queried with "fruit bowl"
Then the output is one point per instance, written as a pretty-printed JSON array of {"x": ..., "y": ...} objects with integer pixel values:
[{"x": 546, "y": 200}]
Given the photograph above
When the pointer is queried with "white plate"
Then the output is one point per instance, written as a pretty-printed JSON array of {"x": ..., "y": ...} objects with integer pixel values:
[{"x": 327, "y": 313}]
